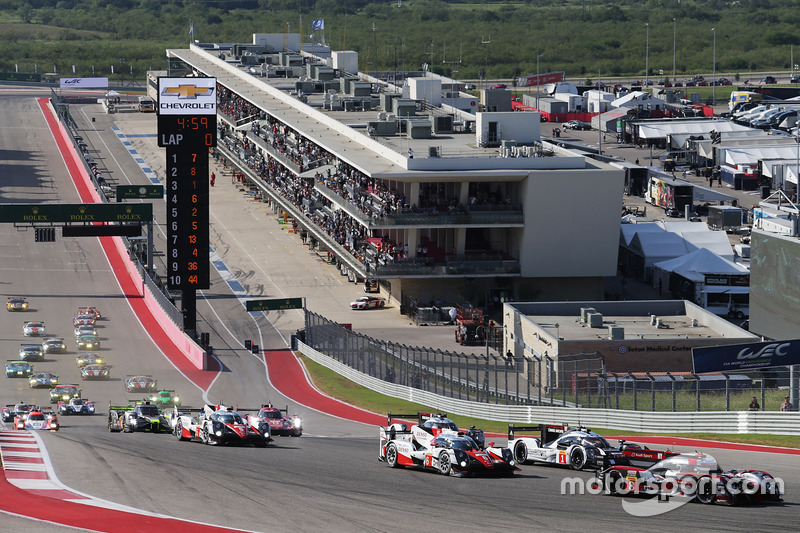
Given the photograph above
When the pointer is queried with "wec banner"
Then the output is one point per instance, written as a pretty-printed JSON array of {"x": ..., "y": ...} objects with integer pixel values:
[
  {"x": 746, "y": 356},
  {"x": 84, "y": 83},
  {"x": 542, "y": 79}
]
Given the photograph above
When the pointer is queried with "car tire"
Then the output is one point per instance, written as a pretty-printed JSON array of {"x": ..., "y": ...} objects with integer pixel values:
[
  {"x": 705, "y": 490},
  {"x": 611, "y": 483},
  {"x": 520, "y": 452},
  {"x": 204, "y": 436},
  {"x": 577, "y": 458},
  {"x": 391, "y": 456},
  {"x": 445, "y": 466},
  {"x": 297, "y": 434},
  {"x": 179, "y": 431},
  {"x": 383, "y": 304}
]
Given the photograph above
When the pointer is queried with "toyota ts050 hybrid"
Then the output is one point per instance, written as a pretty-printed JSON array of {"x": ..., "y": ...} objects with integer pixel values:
[
  {"x": 576, "y": 447},
  {"x": 449, "y": 453},
  {"x": 430, "y": 426},
  {"x": 279, "y": 421},
  {"x": 218, "y": 424},
  {"x": 694, "y": 476}
]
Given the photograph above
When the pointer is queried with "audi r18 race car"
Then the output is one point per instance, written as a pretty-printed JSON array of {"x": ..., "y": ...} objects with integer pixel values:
[
  {"x": 16, "y": 304},
  {"x": 63, "y": 393},
  {"x": 368, "y": 302},
  {"x": 430, "y": 426},
  {"x": 12, "y": 411},
  {"x": 218, "y": 424},
  {"x": 578, "y": 448},
  {"x": 448, "y": 454},
  {"x": 54, "y": 345},
  {"x": 18, "y": 369},
  {"x": 76, "y": 406},
  {"x": 695, "y": 476},
  {"x": 140, "y": 383},
  {"x": 95, "y": 372},
  {"x": 31, "y": 352},
  {"x": 43, "y": 379},
  {"x": 33, "y": 329},
  {"x": 89, "y": 358},
  {"x": 37, "y": 420},
  {"x": 141, "y": 416},
  {"x": 88, "y": 342},
  {"x": 165, "y": 399},
  {"x": 279, "y": 421}
]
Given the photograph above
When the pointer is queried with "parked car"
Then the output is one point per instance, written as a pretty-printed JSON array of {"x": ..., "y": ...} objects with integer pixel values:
[
  {"x": 795, "y": 78},
  {"x": 769, "y": 80},
  {"x": 576, "y": 125}
]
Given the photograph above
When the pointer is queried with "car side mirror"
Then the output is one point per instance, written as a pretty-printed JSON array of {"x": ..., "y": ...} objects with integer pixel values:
[{"x": 490, "y": 444}]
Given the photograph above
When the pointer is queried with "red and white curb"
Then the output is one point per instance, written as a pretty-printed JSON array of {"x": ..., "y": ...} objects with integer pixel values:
[{"x": 27, "y": 467}]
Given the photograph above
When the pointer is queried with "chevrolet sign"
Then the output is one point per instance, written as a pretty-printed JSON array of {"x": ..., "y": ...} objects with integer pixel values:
[{"x": 187, "y": 96}]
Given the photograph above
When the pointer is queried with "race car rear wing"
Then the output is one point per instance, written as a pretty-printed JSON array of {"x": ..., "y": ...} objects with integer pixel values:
[
  {"x": 119, "y": 407},
  {"x": 420, "y": 416},
  {"x": 549, "y": 432}
]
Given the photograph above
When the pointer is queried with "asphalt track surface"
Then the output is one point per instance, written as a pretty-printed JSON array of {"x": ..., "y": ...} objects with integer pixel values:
[{"x": 329, "y": 479}]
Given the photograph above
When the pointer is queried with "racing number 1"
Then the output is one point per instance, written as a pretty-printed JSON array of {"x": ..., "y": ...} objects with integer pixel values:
[{"x": 562, "y": 457}]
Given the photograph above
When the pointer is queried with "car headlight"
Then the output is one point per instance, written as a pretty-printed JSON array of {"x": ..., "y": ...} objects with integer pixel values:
[
  {"x": 463, "y": 463},
  {"x": 219, "y": 433},
  {"x": 297, "y": 423},
  {"x": 176, "y": 399}
]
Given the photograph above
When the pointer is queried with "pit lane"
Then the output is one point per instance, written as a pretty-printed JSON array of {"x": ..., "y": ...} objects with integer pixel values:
[{"x": 329, "y": 479}]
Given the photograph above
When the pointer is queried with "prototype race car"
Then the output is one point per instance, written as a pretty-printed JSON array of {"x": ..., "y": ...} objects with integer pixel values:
[
  {"x": 54, "y": 345},
  {"x": 692, "y": 476},
  {"x": 141, "y": 416},
  {"x": 89, "y": 310},
  {"x": 12, "y": 411},
  {"x": 279, "y": 421},
  {"x": 218, "y": 424},
  {"x": 448, "y": 454},
  {"x": 76, "y": 406},
  {"x": 18, "y": 369},
  {"x": 140, "y": 383},
  {"x": 37, "y": 420},
  {"x": 88, "y": 342},
  {"x": 88, "y": 358},
  {"x": 368, "y": 302},
  {"x": 31, "y": 352},
  {"x": 43, "y": 379},
  {"x": 95, "y": 372},
  {"x": 430, "y": 426},
  {"x": 33, "y": 329},
  {"x": 63, "y": 393},
  {"x": 578, "y": 448},
  {"x": 17, "y": 304},
  {"x": 165, "y": 398}
]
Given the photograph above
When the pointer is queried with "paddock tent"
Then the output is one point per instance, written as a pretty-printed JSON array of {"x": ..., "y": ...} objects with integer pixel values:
[
  {"x": 696, "y": 265},
  {"x": 651, "y": 131}
]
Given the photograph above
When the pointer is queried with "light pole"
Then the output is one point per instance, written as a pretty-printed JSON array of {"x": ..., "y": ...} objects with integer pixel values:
[
  {"x": 647, "y": 55},
  {"x": 674, "y": 48},
  {"x": 714, "y": 70},
  {"x": 538, "y": 83}
]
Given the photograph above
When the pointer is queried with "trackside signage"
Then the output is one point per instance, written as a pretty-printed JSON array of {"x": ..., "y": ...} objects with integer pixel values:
[
  {"x": 187, "y": 96},
  {"x": 84, "y": 83},
  {"x": 50, "y": 213},
  {"x": 746, "y": 356}
]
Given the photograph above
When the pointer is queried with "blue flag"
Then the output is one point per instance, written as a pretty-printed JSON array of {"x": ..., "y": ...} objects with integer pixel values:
[
  {"x": 318, "y": 24},
  {"x": 191, "y": 29}
]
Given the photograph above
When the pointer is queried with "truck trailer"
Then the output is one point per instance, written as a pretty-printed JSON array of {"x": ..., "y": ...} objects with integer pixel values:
[{"x": 669, "y": 193}]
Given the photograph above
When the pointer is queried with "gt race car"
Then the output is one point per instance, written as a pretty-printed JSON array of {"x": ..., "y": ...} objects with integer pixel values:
[
  {"x": 368, "y": 302},
  {"x": 33, "y": 329},
  {"x": 30, "y": 352},
  {"x": 37, "y": 420},
  {"x": 95, "y": 372},
  {"x": 54, "y": 345},
  {"x": 218, "y": 424},
  {"x": 63, "y": 393},
  {"x": 18, "y": 369},
  {"x": 140, "y": 383},
  {"x": 87, "y": 342},
  {"x": 576, "y": 447},
  {"x": 695, "y": 476},
  {"x": 280, "y": 422},
  {"x": 140, "y": 416},
  {"x": 17, "y": 304},
  {"x": 43, "y": 379},
  {"x": 76, "y": 406},
  {"x": 84, "y": 359},
  {"x": 448, "y": 454},
  {"x": 18, "y": 410}
]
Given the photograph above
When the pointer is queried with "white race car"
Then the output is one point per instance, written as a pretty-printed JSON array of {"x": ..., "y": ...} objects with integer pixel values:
[
  {"x": 33, "y": 329},
  {"x": 368, "y": 302},
  {"x": 218, "y": 424},
  {"x": 578, "y": 448}
]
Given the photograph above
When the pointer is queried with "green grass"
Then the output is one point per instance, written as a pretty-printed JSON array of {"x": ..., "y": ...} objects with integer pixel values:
[{"x": 347, "y": 391}]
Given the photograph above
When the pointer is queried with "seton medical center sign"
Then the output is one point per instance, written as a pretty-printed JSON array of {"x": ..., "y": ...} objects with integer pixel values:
[
  {"x": 751, "y": 356},
  {"x": 187, "y": 96}
]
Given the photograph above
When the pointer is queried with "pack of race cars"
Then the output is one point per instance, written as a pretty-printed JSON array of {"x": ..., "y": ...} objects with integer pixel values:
[{"x": 436, "y": 443}]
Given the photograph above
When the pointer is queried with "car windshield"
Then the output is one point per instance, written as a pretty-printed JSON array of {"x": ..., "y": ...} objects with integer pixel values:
[
  {"x": 440, "y": 423},
  {"x": 149, "y": 410},
  {"x": 77, "y": 401},
  {"x": 67, "y": 390},
  {"x": 465, "y": 444},
  {"x": 270, "y": 414},
  {"x": 596, "y": 441},
  {"x": 35, "y": 324},
  {"x": 687, "y": 463},
  {"x": 36, "y": 416},
  {"x": 230, "y": 418}
]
